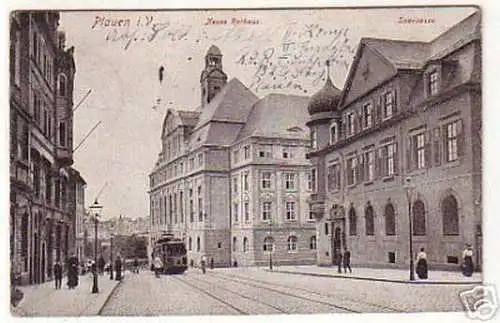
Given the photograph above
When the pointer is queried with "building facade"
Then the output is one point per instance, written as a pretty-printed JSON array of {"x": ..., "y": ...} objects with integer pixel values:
[
  {"x": 231, "y": 179},
  {"x": 41, "y": 90},
  {"x": 403, "y": 139}
]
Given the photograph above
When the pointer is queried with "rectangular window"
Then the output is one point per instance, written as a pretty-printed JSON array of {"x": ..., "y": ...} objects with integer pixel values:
[
  {"x": 17, "y": 59},
  {"x": 419, "y": 150},
  {"x": 62, "y": 134},
  {"x": 352, "y": 164},
  {"x": 314, "y": 139},
  {"x": 333, "y": 177},
  {"x": 451, "y": 136},
  {"x": 266, "y": 151},
  {"x": 387, "y": 155},
  {"x": 369, "y": 171},
  {"x": 388, "y": 106},
  {"x": 235, "y": 212},
  {"x": 200, "y": 160},
  {"x": 200, "y": 205},
  {"x": 245, "y": 182},
  {"x": 246, "y": 211},
  {"x": 235, "y": 184},
  {"x": 266, "y": 211},
  {"x": 236, "y": 156},
  {"x": 266, "y": 180},
  {"x": 290, "y": 211},
  {"x": 326, "y": 228},
  {"x": 246, "y": 152},
  {"x": 191, "y": 206},
  {"x": 350, "y": 124},
  {"x": 433, "y": 83},
  {"x": 367, "y": 115},
  {"x": 289, "y": 181},
  {"x": 333, "y": 134},
  {"x": 191, "y": 163}
]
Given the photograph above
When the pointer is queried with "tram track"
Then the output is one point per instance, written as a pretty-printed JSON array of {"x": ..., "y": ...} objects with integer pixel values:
[
  {"x": 266, "y": 286},
  {"x": 238, "y": 309}
]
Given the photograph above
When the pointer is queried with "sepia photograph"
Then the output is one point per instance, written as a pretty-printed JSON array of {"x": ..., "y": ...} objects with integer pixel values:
[{"x": 246, "y": 161}]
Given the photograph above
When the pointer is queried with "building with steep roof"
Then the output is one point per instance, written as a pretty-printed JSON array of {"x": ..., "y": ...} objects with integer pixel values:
[
  {"x": 402, "y": 149},
  {"x": 232, "y": 178}
]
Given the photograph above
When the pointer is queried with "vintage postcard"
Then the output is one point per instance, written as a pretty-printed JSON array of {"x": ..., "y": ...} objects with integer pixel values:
[{"x": 263, "y": 161}]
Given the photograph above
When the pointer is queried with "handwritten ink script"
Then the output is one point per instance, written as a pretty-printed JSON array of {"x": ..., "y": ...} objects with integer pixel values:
[
  {"x": 298, "y": 59},
  {"x": 144, "y": 29},
  {"x": 147, "y": 29}
]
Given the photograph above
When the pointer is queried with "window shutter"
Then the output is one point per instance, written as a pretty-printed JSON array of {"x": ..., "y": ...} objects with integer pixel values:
[
  {"x": 378, "y": 109},
  {"x": 377, "y": 165},
  {"x": 460, "y": 138},
  {"x": 343, "y": 130},
  {"x": 359, "y": 120},
  {"x": 436, "y": 149},
  {"x": 396, "y": 158},
  {"x": 409, "y": 161},
  {"x": 395, "y": 102},
  {"x": 381, "y": 162},
  {"x": 427, "y": 149}
]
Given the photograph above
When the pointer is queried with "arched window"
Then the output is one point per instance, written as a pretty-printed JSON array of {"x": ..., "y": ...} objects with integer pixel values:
[
  {"x": 312, "y": 243},
  {"x": 190, "y": 243},
  {"x": 369, "y": 225},
  {"x": 418, "y": 218},
  {"x": 353, "y": 222},
  {"x": 245, "y": 244},
  {"x": 449, "y": 209},
  {"x": 390, "y": 220},
  {"x": 292, "y": 243},
  {"x": 268, "y": 244},
  {"x": 234, "y": 243},
  {"x": 62, "y": 84},
  {"x": 198, "y": 244}
]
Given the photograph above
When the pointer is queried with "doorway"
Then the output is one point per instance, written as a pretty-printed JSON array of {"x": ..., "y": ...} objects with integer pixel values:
[{"x": 337, "y": 244}]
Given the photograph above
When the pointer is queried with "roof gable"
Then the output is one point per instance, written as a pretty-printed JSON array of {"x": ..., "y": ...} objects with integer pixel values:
[
  {"x": 231, "y": 104},
  {"x": 369, "y": 69}
]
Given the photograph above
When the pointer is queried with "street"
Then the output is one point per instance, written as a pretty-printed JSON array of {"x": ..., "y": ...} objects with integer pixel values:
[{"x": 253, "y": 291}]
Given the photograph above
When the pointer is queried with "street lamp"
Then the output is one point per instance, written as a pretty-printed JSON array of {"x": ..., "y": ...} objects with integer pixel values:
[
  {"x": 409, "y": 188},
  {"x": 95, "y": 211}
]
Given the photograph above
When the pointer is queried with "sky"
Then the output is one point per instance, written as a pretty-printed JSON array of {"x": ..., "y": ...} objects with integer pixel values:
[{"x": 274, "y": 51}]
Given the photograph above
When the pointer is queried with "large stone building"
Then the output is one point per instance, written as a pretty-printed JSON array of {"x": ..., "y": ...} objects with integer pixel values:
[
  {"x": 41, "y": 145},
  {"x": 232, "y": 179},
  {"x": 407, "y": 121}
]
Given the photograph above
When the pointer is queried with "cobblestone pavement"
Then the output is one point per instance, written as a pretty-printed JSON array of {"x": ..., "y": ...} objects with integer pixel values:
[{"x": 256, "y": 291}]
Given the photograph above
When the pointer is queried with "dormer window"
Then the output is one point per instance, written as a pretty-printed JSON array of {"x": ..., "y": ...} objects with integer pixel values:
[
  {"x": 333, "y": 133},
  {"x": 433, "y": 82}
]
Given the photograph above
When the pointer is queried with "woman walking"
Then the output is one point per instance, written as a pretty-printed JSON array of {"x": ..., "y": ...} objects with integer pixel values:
[
  {"x": 422, "y": 269},
  {"x": 467, "y": 263}
]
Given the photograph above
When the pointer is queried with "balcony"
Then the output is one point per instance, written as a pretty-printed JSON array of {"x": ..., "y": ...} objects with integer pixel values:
[{"x": 64, "y": 156}]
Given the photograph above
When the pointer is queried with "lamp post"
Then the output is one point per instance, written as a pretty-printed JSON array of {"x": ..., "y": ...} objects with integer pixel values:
[
  {"x": 95, "y": 210},
  {"x": 409, "y": 191}
]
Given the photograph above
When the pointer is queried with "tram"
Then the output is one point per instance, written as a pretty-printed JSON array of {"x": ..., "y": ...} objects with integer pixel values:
[{"x": 172, "y": 252}]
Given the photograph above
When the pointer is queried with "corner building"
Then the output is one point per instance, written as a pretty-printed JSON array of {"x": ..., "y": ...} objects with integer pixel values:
[
  {"x": 232, "y": 179},
  {"x": 42, "y": 195},
  {"x": 409, "y": 116}
]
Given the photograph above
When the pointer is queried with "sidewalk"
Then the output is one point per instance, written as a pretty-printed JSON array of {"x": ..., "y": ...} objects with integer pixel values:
[
  {"x": 386, "y": 274},
  {"x": 45, "y": 300}
]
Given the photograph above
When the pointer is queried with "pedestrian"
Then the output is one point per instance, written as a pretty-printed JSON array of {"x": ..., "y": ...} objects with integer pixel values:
[
  {"x": 347, "y": 260},
  {"x": 203, "y": 263},
  {"x": 422, "y": 269},
  {"x": 58, "y": 274},
  {"x": 72, "y": 271},
  {"x": 102, "y": 263},
  {"x": 136, "y": 266},
  {"x": 118, "y": 268},
  {"x": 211, "y": 263},
  {"x": 467, "y": 263},
  {"x": 157, "y": 263},
  {"x": 339, "y": 262}
]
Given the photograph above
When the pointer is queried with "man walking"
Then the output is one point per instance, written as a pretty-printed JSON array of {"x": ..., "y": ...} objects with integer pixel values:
[
  {"x": 339, "y": 262},
  {"x": 58, "y": 274},
  {"x": 347, "y": 261}
]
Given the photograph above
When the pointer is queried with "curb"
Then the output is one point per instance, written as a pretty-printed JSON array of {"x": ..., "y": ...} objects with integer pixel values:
[
  {"x": 99, "y": 313},
  {"x": 416, "y": 282}
]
